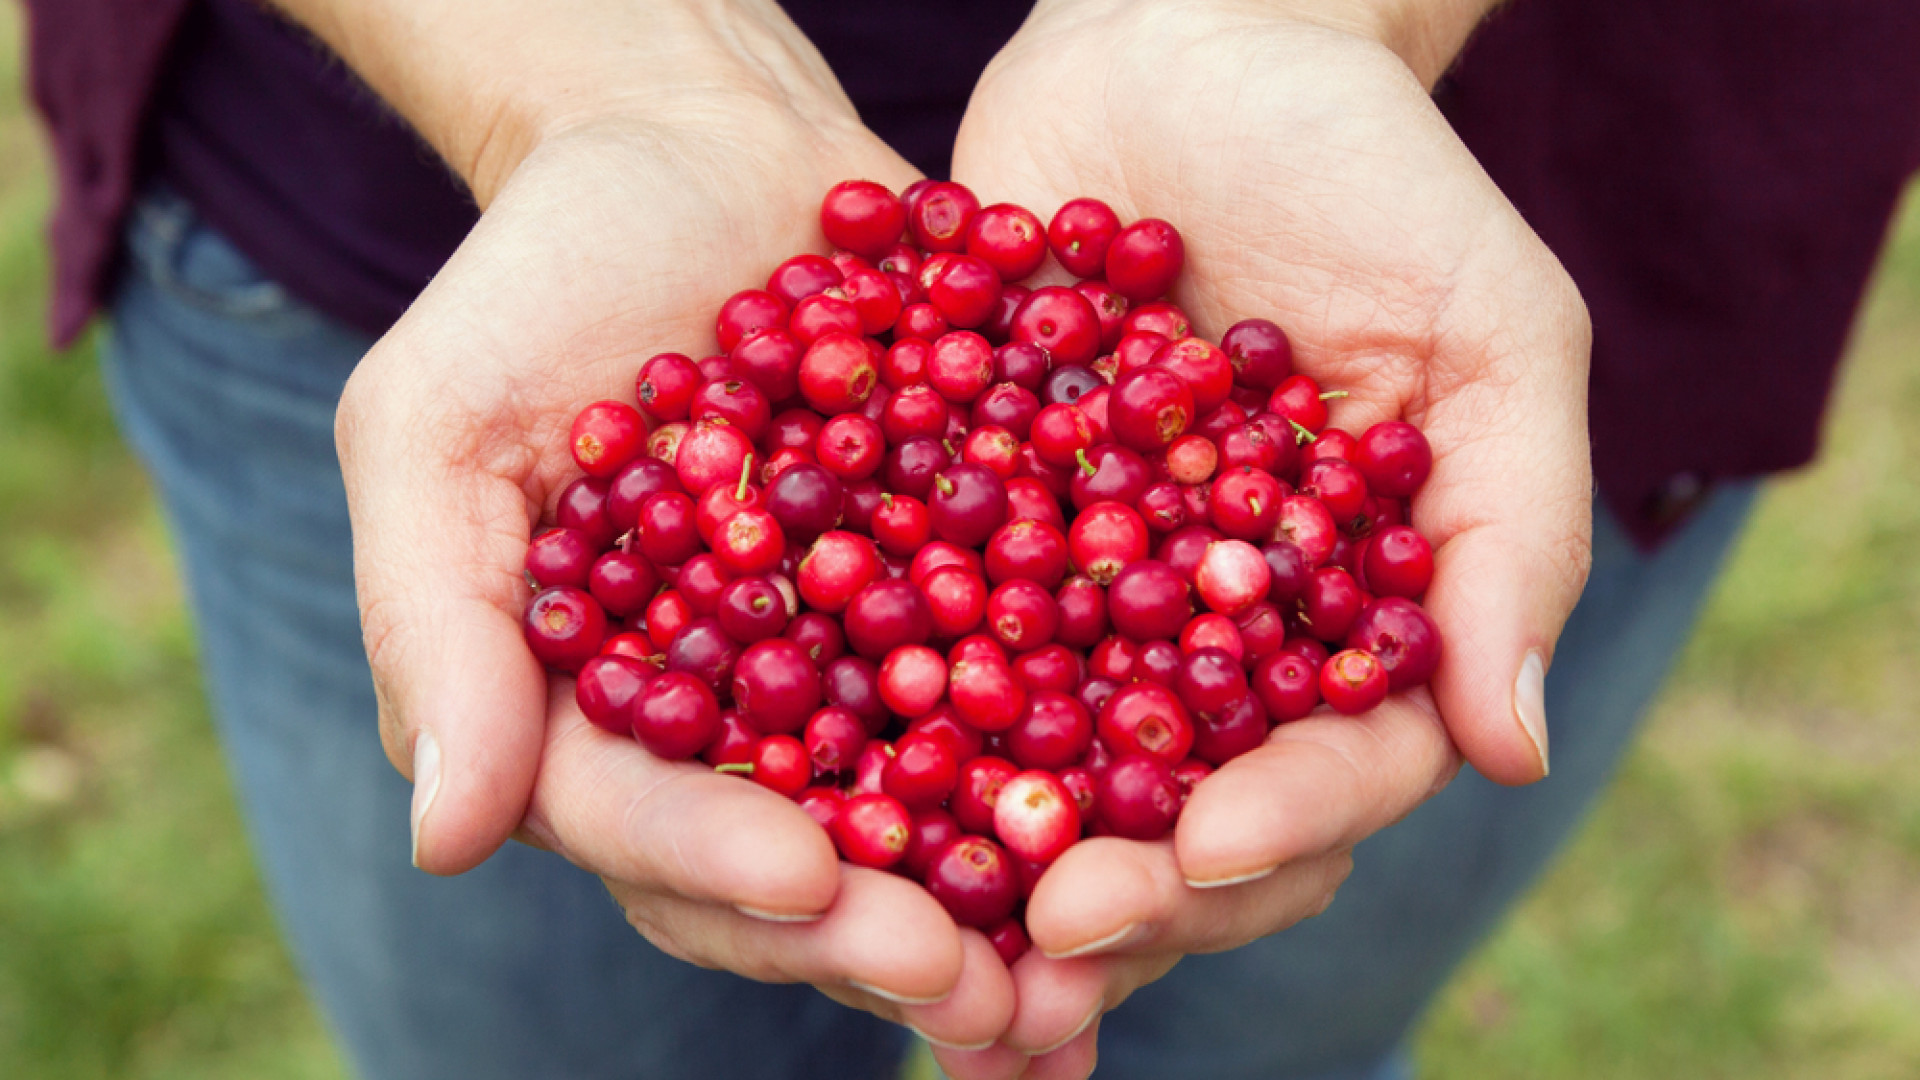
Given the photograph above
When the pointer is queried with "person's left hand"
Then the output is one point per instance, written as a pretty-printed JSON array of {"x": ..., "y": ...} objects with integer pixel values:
[{"x": 1315, "y": 185}]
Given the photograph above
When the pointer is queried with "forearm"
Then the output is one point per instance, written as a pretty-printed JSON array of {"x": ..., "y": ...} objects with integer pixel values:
[
  {"x": 1425, "y": 34},
  {"x": 484, "y": 81}
]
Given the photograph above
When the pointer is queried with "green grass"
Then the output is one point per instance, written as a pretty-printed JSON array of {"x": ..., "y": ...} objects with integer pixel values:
[{"x": 1746, "y": 902}]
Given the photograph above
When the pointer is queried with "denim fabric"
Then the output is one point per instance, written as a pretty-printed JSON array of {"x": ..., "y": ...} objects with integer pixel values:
[{"x": 226, "y": 387}]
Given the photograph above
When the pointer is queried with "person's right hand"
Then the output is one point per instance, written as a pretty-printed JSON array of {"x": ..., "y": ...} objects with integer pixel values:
[{"x": 616, "y": 238}]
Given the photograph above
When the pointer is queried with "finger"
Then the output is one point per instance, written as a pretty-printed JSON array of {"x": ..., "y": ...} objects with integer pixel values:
[
  {"x": 1060, "y": 1000},
  {"x": 1074, "y": 1061},
  {"x": 437, "y": 556},
  {"x": 884, "y": 936},
  {"x": 972, "y": 1017},
  {"x": 1509, "y": 509},
  {"x": 1317, "y": 786},
  {"x": 608, "y": 805},
  {"x": 1107, "y": 896},
  {"x": 996, "y": 1062}
]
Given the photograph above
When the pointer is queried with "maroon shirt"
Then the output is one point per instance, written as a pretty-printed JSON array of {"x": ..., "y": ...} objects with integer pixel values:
[{"x": 1716, "y": 176}]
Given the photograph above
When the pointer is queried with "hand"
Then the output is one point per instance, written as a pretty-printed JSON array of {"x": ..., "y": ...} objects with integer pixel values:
[
  {"x": 617, "y": 237},
  {"x": 1316, "y": 185}
]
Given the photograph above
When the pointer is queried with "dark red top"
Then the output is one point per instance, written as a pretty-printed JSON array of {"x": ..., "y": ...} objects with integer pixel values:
[{"x": 1717, "y": 177}]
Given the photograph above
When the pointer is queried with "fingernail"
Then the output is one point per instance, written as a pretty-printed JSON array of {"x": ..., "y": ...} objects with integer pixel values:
[
  {"x": 1237, "y": 879},
  {"x": 778, "y": 916},
  {"x": 1123, "y": 936},
  {"x": 426, "y": 783},
  {"x": 897, "y": 999},
  {"x": 1530, "y": 704},
  {"x": 1084, "y": 1025},
  {"x": 945, "y": 1045}
]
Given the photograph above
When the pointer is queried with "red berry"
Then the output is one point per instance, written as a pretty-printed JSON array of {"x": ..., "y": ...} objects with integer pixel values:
[
  {"x": 940, "y": 216},
  {"x": 1080, "y": 234},
  {"x": 922, "y": 773},
  {"x": 1395, "y": 458},
  {"x": 605, "y": 436},
  {"x": 677, "y": 716},
  {"x": 1399, "y": 562},
  {"x": 564, "y": 628},
  {"x": 975, "y": 881},
  {"x": 912, "y": 680},
  {"x": 608, "y": 688},
  {"x": 1147, "y": 718},
  {"x": 666, "y": 383},
  {"x": 1137, "y": 797},
  {"x": 1232, "y": 577},
  {"x": 1061, "y": 321},
  {"x": 838, "y": 373},
  {"x": 872, "y": 830},
  {"x": 863, "y": 217},
  {"x": 1353, "y": 681},
  {"x": 1010, "y": 238},
  {"x": 1036, "y": 817},
  {"x": 1145, "y": 260}
]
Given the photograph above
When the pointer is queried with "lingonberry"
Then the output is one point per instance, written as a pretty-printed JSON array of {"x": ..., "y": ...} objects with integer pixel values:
[
  {"x": 770, "y": 359},
  {"x": 829, "y": 312},
  {"x": 1145, "y": 259},
  {"x": 586, "y": 505},
  {"x": 1150, "y": 407},
  {"x": 964, "y": 290},
  {"x": 1304, "y": 522},
  {"x": 886, "y": 615},
  {"x": 1330, "y": 443},
  {"x": 941, "y": 215},
  {"x": 1245, "y": 503},
  {"x": 1399, "y": 562},
  {"x": 977, "y": 789},
  {"x": 838, "y": 373},
  {"x": 776, "y": 685},
  {"x": 1027, "y": 550},
  {"x": 968, "y": 504},
  {"x": 1053, "y": 732},
  {"x": 1209, "y": 680},
  {"x": 960, "y": 366},
  {"x": 667, "y": 615},
  {"x": 1079, "y": 235},
  {"x": 1232, "y": 577},
  {"x": 1353, "y": 681},
  {"x": 975, "y": 881},
  {"x": 1035, "y": 816},
  {"x": 836, "y": 568},
  {"x": 705, "y": 651},
  {"x": 803, "y": 276},
  {"x": 994, "y": 447},
  {"x": 605, "y": 436},
  {"x": 711, "y": 453},
  {"x": 1331, "y": 603},
  {"x": 560, "y": 557},
  {"x": 1158, "y": 661},
  {"x": 1164, "y": 507},
  {"x": 1023, "y": 364},
  {"x": 780, "y": 764},
  {"x": 564, "y": 628},
  {"x": 1137, "y": 797},
  {"x": 751, "y": 609},
  {"x": 1148, "y": 601},
  {"x": 1260, "y": 353},
  {"x": 1083, "y": 613},
  {"x": 985, "y": 693},
  {"x": 1062, "y": 322},
  {"x": 1395, "y": 458},
  {"x": 1204, "y": 368},
  {"x": 1006, "y": 406},
  {"x": 666, "y": 383},
  {"x": 677, "y": 716},
  {"x": 822, "y": 804},
  {"x": 872, "y": 830},
  {"x": 1213, "y": 632},
  {"x": 1023, "y": 615},
  {"x": 922, "y": 773},
  {"x": 920, "y": 321},
  {"x": 863, "y": 217},
  {"x": 1148, "y": 718},
  {"x": 741, "y": 314},
  {"x": 608, "y": 687},
  {"x": 1010, "y": 238},
  {"x": 1109, "y": 472},
  {"x": 623, "y": 583},
  {"x": 1404, "y": 638},
  {"x": 1235, "y": 728},
  {"x": 933, "y": 830},
  {"x": 913, "y": 678},
  {"x": 1338, "y": 485}
]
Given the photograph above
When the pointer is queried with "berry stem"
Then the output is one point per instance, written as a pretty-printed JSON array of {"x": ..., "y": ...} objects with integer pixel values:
[
  {"x": 746, "y": 474},
  {"x": 738, "y": 768},
  {"x": 1300, "y": 433},
  {"x": 1085, "y": 465}
]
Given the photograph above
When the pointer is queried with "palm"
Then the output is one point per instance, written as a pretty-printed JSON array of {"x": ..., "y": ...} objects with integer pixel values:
[
  {"x": 1315, "y": 185},
  {"x": 603, "y": 249}
]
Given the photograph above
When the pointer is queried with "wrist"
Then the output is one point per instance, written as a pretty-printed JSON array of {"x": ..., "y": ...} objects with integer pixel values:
[{"x": 487, "y": 82}]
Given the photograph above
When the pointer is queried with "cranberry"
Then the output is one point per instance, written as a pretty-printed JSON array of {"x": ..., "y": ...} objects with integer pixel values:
[
  {"x": 985, "y": 692},
  {"x": 667, "y": 616},
  {"x": 1234, "y": 729},
  {"x": 1148, "y": 601},
  {"x": 1261, "y": 354},
  {"x": 1395, "y": 459},
  {"x": 605, "y": 436},
  {"x": 677, "y": 716},
  {"x": 1032, "y": 500},
  {"x": 1062, "y": 322},
  {"x": 608, "y": 687},
  {"x": 1137, "y": 797},
  {"x": 564, "y": 628},
  {"x": 1021, "y": 363},
  {"x": 1404, "y": 638},
  {"x": 923, "y": 772},
  {"x": 1158, "y": 661},
  {"x": 822, "y": 804},
  {"x": 735, "y": 743},
  {"x": 1213, "y": 632},
  {"x": 1150, "y": 407},
  {"x": 960, "y": 366},
  {"x": 838, "y": 373},
  {"x": 886, "y": 615},
  {"x": 623, "y": 583},
  {"x": 1209, "y": 680},
  {"x": 1036, "y": 817},
  {"x": 1007, "y": 406},
  {"x": 1288, "y": 684},
  {"x": 912, "y": 680},
  {"x": 1027, "y": 550},
  {"x": 872, "y": 830},
  {"x": 941, "y": 216},
  {"x": 975, "y": 881},
  {"x": 585, "y": 505},
  {"x": 1232, "y": 577},
  {"x": 560, "y": 557},
  {"x": 933, "y": 830},
  {"x": 968, "y": 503},
  {"x": 1298, "y": 400},
  {"x": 630, "y": 488},
  {"x": 1067, "y": 383},
  {"x": 963, "y": 289},
  {"x": 1305, "y": 522},
  {"x": 920, "y": 321},
  {"x": 1010, "y": 238},
  {"x": 770, "y": 359},
  {"x": 751, "y": 609},
  {"x": 1083, "y": 613},
  {"x": 863, "y": 217},
  {"x": 1353, "y": 682},
  {"x": 703, "y": 650},
  {"x": 666, "y": 383},
  {"x": 1338, "y": 485},
  {"x": 1105, "y": 538},
  {"x": 711, "y": 453},
  {"x": 1023, "y": 615},
  {"x": 1079, "y": 235},
  {"x": 1052, "y": 733},
  {"x": 836, "y": 568},
  {"x": 1109, "y": 472},
  {"x": 1147, "y": 718},
  {"x": 994, "y": 447}
]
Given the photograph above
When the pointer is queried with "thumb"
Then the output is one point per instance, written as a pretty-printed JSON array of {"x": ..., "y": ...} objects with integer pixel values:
[{"x": 438, "y": 545}]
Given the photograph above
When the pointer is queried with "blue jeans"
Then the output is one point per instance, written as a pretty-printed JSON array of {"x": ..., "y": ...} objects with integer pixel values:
[{"x": 226, "y": 386}]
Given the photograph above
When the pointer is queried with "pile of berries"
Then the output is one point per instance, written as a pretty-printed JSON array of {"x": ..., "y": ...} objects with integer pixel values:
[{"x": 919, "y": 546}]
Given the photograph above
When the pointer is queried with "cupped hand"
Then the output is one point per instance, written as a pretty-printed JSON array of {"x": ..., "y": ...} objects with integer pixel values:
[
  {"x": 1316, "y": 185},
  {"x": 615, "y": 239}
]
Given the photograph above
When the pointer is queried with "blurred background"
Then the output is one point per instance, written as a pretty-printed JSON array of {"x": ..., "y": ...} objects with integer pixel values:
[{"x": 1746, "y": 902}]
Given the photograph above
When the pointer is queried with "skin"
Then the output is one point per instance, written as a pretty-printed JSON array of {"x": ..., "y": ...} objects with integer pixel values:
[{"x": 639, "y": 162}]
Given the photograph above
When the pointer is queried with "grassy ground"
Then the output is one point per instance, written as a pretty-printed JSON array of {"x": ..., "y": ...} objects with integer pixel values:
[{"x": 1746, "y": 903}]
